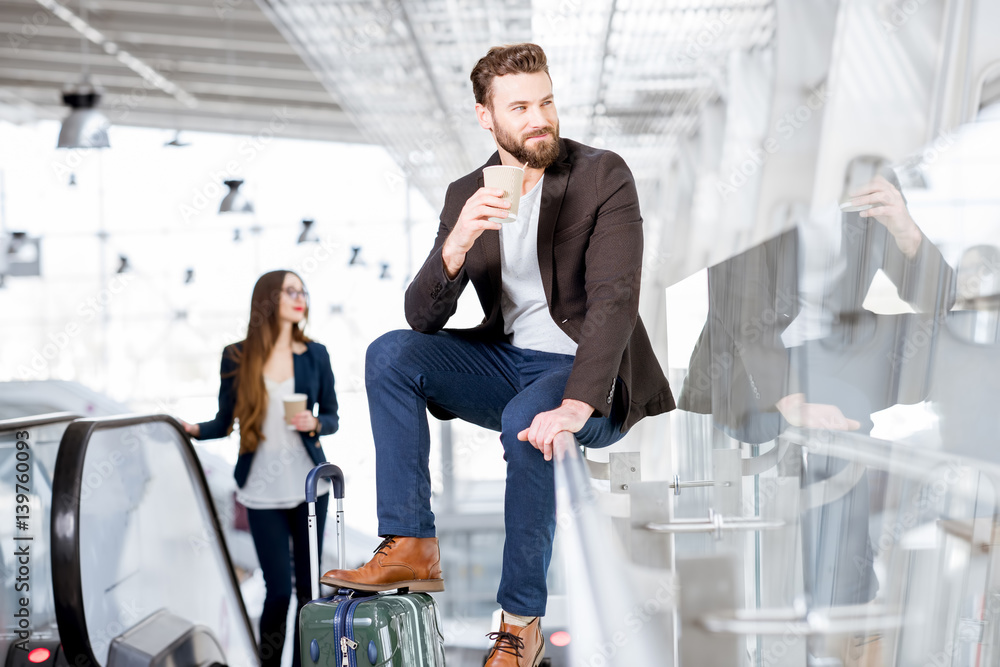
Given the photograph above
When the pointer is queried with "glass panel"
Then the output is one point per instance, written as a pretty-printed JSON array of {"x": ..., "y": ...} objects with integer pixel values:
[
  {"x": 36, "y": 461},
  {"x": 146, "y": 541},
  {"x": 850, "y": 362},
  {"x": 616, "y": 614}
]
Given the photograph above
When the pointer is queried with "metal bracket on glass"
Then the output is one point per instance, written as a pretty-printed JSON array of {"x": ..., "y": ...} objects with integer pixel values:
[
  {"x": 677, "y": 484},
  {"x": 716, "y": 523},
  {"x": 848, "y": 619},
  {"x": 758, "y": 465},
  {"x": 971, "y": 630},
  {"x": 620, "y": 465},
  {"x": 598, "y": 469}
]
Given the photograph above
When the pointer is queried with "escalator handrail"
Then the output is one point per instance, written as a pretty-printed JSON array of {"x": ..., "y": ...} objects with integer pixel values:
[
  {"x": 920, "y": 463},
  {"x": 67, "y": 484},
  {"x": 36, "y": 420}
]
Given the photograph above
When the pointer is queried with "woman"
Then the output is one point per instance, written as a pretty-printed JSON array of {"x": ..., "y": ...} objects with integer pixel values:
[{"x": 275, "y": 360}]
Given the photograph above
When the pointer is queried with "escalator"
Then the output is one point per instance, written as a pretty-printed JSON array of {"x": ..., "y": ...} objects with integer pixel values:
[
  {"x": 40, "y": 640},
  {"x": 128, "y": 565}
]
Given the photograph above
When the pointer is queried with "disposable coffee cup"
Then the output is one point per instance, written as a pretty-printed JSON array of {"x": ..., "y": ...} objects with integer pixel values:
[
  {"x": 294, "y": 404},
  {"x": 508, "y": 179},
  {"x": 847, "y": 207}
]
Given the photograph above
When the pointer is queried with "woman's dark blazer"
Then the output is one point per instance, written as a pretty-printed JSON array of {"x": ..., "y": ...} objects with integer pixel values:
[{"x": 313, "y": 377}]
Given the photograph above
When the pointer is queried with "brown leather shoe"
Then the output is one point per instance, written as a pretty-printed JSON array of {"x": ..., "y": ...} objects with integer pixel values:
[
  {"x": 399, "y": 562},
  {"x": 516, "y": 646}
]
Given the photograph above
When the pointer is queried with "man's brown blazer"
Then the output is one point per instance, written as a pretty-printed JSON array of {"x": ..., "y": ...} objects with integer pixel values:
[{"x": 590, "y": 257}]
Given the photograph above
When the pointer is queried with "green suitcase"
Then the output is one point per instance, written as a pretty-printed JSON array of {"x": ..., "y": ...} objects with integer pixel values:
[
  {"x": 360, "y": 629},
  {"x": 383, "y": 629}
]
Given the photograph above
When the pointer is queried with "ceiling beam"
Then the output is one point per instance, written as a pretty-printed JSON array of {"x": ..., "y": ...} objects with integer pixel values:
[
  {"x": 136, "y": 38},
  {"x": 273, "y": 73},
  {"x": 120, "y": 82}
]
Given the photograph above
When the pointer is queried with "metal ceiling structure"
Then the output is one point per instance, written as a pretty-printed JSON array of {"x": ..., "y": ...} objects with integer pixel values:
[
  {"x": 208, "y": 65},
  {"x": 629, "y": 75},
  {"x": 401, "y": 71}
]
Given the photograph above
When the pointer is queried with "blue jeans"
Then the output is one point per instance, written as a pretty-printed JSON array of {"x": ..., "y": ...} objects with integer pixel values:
[
  {"x": 496, "y": 386},
  {"x": 271, "y": 531}
]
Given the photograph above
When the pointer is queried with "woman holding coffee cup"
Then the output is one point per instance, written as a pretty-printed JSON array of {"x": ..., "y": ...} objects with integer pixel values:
[{"x": 278, "y": 385}]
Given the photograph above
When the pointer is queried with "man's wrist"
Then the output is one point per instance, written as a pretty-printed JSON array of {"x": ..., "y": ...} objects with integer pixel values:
[
  {"x": 452, "y": 262},
  {"x": 908, "y": 241},
  {"x": 580, "y": 407}
]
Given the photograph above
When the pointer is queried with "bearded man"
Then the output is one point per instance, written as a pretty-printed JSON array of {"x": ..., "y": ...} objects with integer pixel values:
[{"x": 561, "y": 347}]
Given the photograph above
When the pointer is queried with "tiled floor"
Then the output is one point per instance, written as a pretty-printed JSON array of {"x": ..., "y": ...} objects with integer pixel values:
[{"x": 463, "y": 657}]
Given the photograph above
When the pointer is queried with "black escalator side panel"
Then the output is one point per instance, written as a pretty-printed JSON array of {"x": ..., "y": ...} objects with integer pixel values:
[{"x": 64, "y": 542}]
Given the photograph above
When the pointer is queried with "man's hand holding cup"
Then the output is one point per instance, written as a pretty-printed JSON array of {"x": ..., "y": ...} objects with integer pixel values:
[{"x": 474, "y": 219}]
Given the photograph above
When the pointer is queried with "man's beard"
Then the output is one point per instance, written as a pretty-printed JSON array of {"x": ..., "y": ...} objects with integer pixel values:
[{"x": 537, "y": 157}]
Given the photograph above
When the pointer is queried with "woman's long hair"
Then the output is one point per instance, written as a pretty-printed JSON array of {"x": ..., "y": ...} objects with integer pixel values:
[{"x": 262, "y": 332}]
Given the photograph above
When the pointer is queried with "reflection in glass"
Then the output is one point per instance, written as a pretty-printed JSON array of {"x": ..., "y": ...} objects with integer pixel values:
[
  {"x": 43, "y": 444},
  {"x": 146, "y": 542}
]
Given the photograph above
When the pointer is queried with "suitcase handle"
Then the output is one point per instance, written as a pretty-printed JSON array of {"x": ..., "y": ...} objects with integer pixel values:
[
  {"x": 324, "y": 471},
  {"x": 335, "y": 475}
]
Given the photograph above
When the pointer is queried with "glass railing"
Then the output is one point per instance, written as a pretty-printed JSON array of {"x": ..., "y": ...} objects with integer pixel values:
[
  {"x": 836, "y": 548},
  {"x": 823, "y": 548},
  {"x": 28, "y": 450},
  {"x": 136, "y": 542},
  {"x": 619, "y": 612}
]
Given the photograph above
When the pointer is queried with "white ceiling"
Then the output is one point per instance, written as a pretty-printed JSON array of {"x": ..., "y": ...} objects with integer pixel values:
[
  {"x": 213, "y": 65},
  {"x": 630, "y": 75}
]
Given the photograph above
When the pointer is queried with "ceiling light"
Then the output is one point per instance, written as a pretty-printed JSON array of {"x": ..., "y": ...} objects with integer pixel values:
[
  {"x": 86, "y": 126},
  {"x": 355, "y": 259},
  {"x": 20, "y": 255},
  {"x": 235, "y": 201},
  {"x": 307, "y": 236}
]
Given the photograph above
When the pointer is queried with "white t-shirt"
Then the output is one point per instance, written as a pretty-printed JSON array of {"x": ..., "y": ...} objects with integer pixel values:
[
  {"x": 522, "y": 301},
  {"x": 821, "y": 264},
  {"x": 277, "y": 478}
]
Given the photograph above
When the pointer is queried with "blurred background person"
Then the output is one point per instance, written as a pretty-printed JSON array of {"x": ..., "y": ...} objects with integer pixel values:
[{"x": 275, "y": 361}]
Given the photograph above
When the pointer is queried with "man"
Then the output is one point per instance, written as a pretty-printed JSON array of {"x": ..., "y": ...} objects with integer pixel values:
[{"x": 561, "y": 347}]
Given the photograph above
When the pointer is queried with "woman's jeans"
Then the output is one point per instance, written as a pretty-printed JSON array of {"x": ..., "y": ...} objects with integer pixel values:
[
  {"x": 496, "y": 386},
  {"x": 272, "y": 530}
]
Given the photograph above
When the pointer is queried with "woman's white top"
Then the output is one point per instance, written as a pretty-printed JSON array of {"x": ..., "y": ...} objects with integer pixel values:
[{"x": 277, "y": 477}]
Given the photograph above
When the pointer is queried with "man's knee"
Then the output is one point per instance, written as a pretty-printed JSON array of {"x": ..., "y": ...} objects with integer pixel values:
[
  {"x": 388, "y": 350},
  {"x": 514, "y": 420}
]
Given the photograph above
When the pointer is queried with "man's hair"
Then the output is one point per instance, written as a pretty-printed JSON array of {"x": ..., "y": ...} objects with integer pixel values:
[{"x": 502, "y": 60}]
